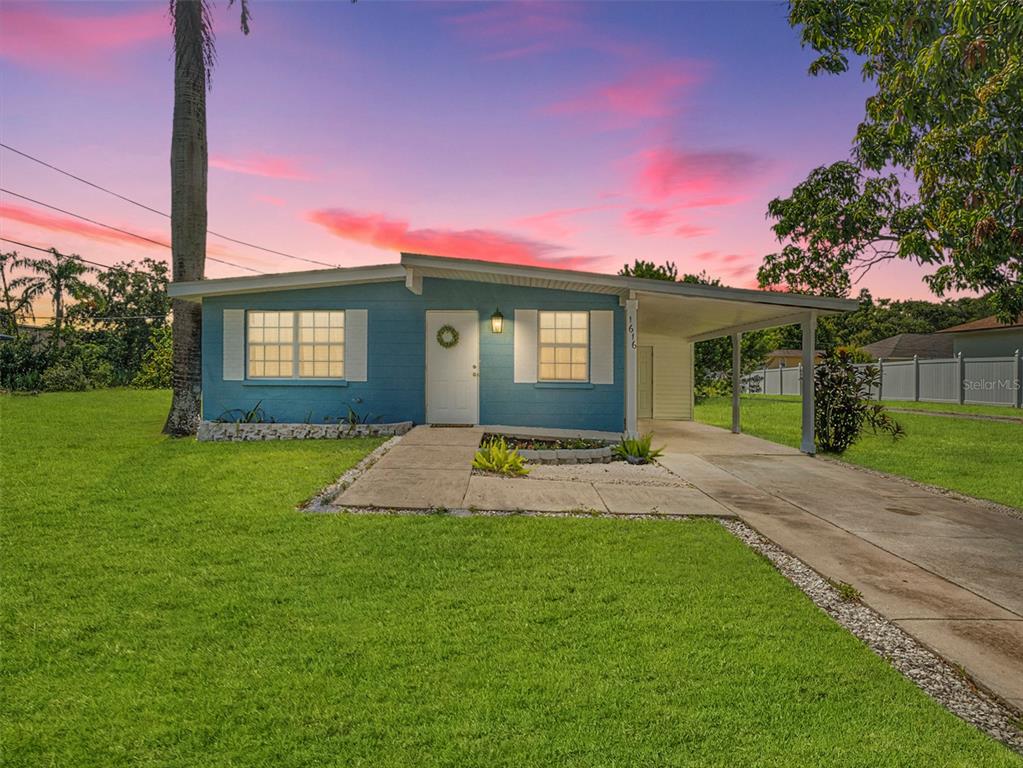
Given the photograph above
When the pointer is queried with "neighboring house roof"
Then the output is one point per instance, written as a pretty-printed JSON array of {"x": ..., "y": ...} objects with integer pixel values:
[
  {"x": 714, "y": 311},
  {"x": 991, "y": 323},
  {"x": 926, "y": 346}
]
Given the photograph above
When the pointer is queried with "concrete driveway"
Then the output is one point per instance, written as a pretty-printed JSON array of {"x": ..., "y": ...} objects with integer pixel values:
[{"x": 948, "y": 571}]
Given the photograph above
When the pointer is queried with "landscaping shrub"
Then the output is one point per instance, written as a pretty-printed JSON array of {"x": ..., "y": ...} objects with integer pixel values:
[
  {"x": 78, "y": 367},
  {"x": 637, "y": 450},
  {"x": 843, "y": 405},
  {"x": 22, "y": 362},
  {"x": 157, "y": 361},
  {"x": 496, "y": 456}
]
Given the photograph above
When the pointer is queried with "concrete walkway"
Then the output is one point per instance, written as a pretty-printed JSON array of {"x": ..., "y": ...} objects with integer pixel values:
[
  {"x": 428, "y": 469},
  {"x": 949, "y": 572},
  {"x": 431, "y": 468}
]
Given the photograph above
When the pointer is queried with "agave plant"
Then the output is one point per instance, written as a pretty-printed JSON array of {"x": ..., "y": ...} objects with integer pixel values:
[
  {"x": 637, "y": 450},
  {"x": 496, "y": 456}
]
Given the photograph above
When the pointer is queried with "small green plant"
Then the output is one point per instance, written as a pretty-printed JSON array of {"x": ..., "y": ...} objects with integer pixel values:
[
  {"x": 847, "y": 592},
  {"x": 354, "y": 418},
  {"x": 637, "y": 450},
  {"x": 496, "y": 456},
  {"x": 255, "y": 415}
]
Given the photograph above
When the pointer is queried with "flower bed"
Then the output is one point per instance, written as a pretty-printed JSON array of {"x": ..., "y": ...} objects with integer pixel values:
[{"x": 564, "y": 450}]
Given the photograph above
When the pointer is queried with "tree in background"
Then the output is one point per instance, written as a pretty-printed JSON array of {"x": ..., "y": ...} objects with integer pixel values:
[
  {"x": 18, "y": 292},
  {"x": 947, "y": 109},
  {"x": 194, "y": 55},
  {"x": 63, "y": 277},
  {"x": 103, "y": 324},
  {"x": 130, "y": 304},
  {"x": 650, "y": 271}
]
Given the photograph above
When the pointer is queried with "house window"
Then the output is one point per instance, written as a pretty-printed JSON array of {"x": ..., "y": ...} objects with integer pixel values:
[
  {"x": 564, "y": 346},
  {"x": 296, "y": 344}
]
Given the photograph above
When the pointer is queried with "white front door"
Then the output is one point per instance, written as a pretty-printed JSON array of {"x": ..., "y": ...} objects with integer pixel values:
[{"x": 452, "y": 373}]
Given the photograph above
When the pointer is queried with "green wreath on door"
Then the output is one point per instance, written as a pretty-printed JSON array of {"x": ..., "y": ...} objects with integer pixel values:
[{"x": 447, "y": 336}]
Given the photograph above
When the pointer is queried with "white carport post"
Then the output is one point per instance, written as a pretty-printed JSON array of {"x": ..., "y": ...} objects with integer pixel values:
[
  {"x": 631, "y": 388},
  {"x": 736, "y": 380},
  {"x": 809, "y": 325}
]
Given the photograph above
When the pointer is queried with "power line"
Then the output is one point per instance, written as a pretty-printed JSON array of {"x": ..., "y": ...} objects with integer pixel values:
[
  {"x": 118, "y": 229},
  {"x": 47, "y": 250},
  {"x": 159, "y": 212}
]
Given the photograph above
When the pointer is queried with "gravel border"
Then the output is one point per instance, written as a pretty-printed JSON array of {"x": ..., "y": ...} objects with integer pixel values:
[
  {"x": 942, "y": 681},
  {"x": 323, "y": 501}
]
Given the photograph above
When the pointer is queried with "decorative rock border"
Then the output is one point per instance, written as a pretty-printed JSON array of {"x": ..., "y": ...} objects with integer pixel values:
[
  {"x": 245, "y": 432},
  {"x": 324, "y": 500},
  {"x": 568, "y": 456}
]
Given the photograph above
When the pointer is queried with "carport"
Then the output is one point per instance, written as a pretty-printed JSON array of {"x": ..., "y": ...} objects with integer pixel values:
[{"x": 675, "y": 316}]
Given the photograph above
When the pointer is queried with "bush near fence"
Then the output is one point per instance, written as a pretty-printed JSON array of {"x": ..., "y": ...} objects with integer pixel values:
[{"x": 973, "y": 380}]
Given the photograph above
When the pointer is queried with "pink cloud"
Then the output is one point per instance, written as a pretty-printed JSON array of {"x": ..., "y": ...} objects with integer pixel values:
[
  {"x": 696, "y": 179},
  {"x": 381, "y": 231},
  {"x": 52, "y": 222},
  {"x": 58, "y": 223},
  {"x": 646, "y": 93},
  {"x": 256, "y": 164},
  {"x": 649, "y": 221},
  {"x": 554, "y": 224},
  {"x": 646, "y": 221},
  {"x": 52, "y": 38},
  {"x": 692, "y": 230}
]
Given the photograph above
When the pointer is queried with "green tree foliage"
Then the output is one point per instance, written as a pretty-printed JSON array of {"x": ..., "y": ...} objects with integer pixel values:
[
  {"x": 18, "y": 292},
  {"x": 157, "y": 362},
  {"x": 651, "y": 271},
  {"x": 62, "y": 276},
  {"x": 101, "y": 326},
  {"x": 947, "y": 109},
  {"x": 842, "y": 406}
]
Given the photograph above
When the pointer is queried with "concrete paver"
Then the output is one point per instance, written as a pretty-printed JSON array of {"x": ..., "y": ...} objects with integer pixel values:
[
  {"x": 404, "y": 456},
  {"x": 623, "y": 499},
  {"x": 532, "y": 495},
  {"x": 408, "y": 489},
  {"x": 424, "y": 435}
]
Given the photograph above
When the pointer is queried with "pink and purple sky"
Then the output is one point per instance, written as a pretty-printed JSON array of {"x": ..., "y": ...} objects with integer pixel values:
[{"x": 575, "y": 135}]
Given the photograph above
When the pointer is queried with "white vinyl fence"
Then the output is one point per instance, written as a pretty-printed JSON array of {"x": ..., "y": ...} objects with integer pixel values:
[{"x": 974, "y": 380}]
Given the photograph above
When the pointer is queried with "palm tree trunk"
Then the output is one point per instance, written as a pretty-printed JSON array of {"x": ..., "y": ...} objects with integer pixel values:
[{"x": 188, "y": 210}]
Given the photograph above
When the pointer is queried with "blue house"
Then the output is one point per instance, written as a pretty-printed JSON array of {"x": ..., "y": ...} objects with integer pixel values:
[{"x": 438, "y": 340}]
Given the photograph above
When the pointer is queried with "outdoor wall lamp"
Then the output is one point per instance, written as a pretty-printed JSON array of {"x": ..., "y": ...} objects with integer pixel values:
[{"x": 497, "y": 321}]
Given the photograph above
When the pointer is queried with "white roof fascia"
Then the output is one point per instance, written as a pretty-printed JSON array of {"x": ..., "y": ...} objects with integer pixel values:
[
  {"x": 622, "y": 285},
  {"x": 286, "y": 281}
]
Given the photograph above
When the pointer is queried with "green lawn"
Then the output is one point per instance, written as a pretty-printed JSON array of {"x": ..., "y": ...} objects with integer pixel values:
[
  {"x": 164, "y": 604},
  {"x": 966, "y": 408},
  {"x": 978, "y": 457}
]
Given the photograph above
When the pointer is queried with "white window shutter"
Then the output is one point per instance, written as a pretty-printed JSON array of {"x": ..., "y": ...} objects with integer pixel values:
[
  {"x": 234, "y": 344},
  {"x": 524, "y": 331},
  {"x": 602, "y": 347},
  {"x": 356, "y": 344}
]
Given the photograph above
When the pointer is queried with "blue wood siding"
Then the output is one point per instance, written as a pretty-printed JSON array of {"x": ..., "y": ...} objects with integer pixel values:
[{"x": 394, "y": 390}]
